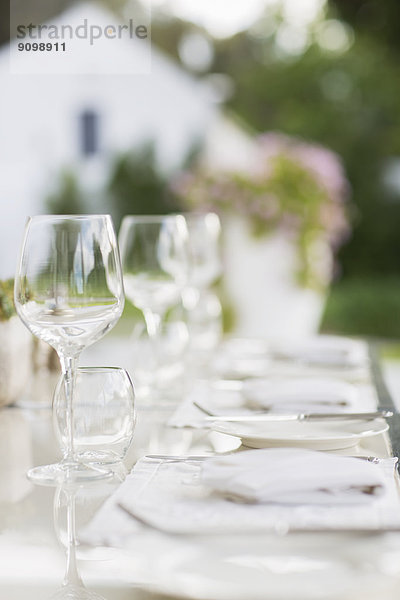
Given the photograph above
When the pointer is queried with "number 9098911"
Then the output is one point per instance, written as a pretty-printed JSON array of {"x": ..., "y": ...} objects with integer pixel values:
[{"x": 41, "y": 47}]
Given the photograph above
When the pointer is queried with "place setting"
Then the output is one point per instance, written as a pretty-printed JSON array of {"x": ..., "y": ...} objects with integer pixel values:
[
  {"x": 192, "y": 520},
  {"x": 322, "y": 355},
  {"x": 280, "y": 487},
  {"x": 322, "y": 414}
]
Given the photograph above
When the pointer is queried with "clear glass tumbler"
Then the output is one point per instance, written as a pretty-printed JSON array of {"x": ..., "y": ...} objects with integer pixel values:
[{"x": 104, "y": 415}]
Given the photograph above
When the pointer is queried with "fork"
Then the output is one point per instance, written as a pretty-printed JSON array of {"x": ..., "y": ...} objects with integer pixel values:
[{"x": 210, "y": 416}]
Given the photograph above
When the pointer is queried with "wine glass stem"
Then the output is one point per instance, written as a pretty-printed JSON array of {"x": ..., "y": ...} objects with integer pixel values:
[
  {"x": 153, "y": 326},
  {"x": 71, "y": 575},
  {"x": 68, "y": 366},
  {"x": 153, "y": 323}
]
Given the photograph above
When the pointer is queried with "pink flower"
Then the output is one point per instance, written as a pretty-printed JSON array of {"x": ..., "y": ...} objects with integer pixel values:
[
  {"x": 323, "y": 164},
  {"x": 271, "y": 190}
]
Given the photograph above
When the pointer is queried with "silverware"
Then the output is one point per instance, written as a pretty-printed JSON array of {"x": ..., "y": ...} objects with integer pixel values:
[
  {"x": 372, "y": 459},
  {"x": 177, "y": 458},
  {"x": 183, "y": 458},
  {"x": 365, "y": 416},
  {"x": 201, "y": 458},
  {"x": 368, "y": 416}
]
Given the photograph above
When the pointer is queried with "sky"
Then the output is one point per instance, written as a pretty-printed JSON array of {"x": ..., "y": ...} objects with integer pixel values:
[
  {"x": 226, "y": 17},
  {"x": 221, "y": 17}
]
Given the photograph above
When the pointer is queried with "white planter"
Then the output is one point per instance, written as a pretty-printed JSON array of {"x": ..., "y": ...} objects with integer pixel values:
[
  {"x": 260, "y": 280},
  {"x": 15, "y": 360}
]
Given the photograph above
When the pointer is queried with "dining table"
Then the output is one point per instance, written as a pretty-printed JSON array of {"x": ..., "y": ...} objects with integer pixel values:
[{"x": 124, "y": 556}]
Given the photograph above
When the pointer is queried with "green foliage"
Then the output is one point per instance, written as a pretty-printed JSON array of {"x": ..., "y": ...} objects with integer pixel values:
[
  {"x": 345, "y": 101},
  {"x": 7, "y": 309},
  {"x": 376, "y": 18},
  {"x": 348, "y": 103},
  {"x": 136, "y": 185},
  {"x": 68, "y": 199},
  {"x": 167, "y": 31},
  {"x": 368, "y": 307}
]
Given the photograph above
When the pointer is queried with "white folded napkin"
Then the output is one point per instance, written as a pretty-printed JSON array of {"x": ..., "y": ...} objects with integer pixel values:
[
  {"x": 300, "y": 393},
  {"x": 326, "y": 350},
  {"x": 293, "y": 476},
  {"x": 172, "y": 496}
]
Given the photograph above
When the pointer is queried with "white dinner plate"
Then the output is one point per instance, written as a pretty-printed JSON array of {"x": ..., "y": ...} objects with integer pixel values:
[{"x": 321, "y": 435}]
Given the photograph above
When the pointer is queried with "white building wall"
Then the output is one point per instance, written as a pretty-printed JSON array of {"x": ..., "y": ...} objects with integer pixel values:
[{"x": 39, "y": 118}]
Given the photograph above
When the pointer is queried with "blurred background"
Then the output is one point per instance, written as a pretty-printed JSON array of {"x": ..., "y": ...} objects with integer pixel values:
[{"x": 320, "y": 74}]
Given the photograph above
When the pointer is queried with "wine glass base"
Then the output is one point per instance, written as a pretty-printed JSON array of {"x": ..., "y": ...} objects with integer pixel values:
[
  {"x": 74, "y": 592},
  {"x": 65, "y": 473}
]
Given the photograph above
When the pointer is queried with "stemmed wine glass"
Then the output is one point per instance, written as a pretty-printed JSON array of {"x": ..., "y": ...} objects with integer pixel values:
[
  {"x": 154, "y": 262},
  {"x": 203, "y": 309},
  {"x": 204, "y": 230},
  {"x": 69, "y": 292},
  {"x": 72, "y": 587}
]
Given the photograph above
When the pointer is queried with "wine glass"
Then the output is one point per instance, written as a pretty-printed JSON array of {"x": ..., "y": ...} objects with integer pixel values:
[
  {"x": 204, "y": 230},
  {"x": 172, "y": 344},
  {"x": 69, "y": 293},
  {"x": 104, "y": 415},
  {"x": 203, "y": 309},
  {"x": 72, "y": 587},
  {"x": 154, "y": 262}
]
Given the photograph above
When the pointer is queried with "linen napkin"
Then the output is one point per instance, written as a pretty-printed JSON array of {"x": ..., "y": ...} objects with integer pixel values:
[
  {"x": 170, "y": 495},
  {"x": 293, "y": 476},
  {"x": 300, "y": 393},
  {"x": 334, "y": 351}
]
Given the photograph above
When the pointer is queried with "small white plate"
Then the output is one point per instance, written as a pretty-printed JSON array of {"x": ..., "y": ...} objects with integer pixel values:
[{"x": 318, "y": 436}]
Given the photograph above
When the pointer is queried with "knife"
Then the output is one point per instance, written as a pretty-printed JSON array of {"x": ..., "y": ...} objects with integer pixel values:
[{"x": 365, "y": 416}]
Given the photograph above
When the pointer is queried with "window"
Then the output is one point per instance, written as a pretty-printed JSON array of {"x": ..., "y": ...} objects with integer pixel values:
[{"x": 89, "y": 132}]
